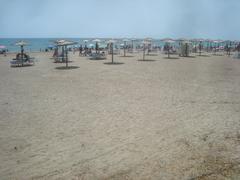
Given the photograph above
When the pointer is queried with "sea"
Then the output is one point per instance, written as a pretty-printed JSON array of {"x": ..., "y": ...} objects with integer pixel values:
[{"x": 40, "y": 44}]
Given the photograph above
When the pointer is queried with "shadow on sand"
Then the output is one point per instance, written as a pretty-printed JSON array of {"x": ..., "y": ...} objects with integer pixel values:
[
  {"x": 218, "y": 55},
  {"x": 188, "y": 56},
  {"x": 151, "y": 54},
  {"x": 20, "y": 66},
  {"x": 114, "y": 63},
  {"x": 129, "y": 56},
  {"x": 147, "y": 60},
  {"x": 171, "y": 58},
  {"x": 60, "y": 62},
  {"x": 67, "y": 68},
  {"x": 204, "y": 55}
]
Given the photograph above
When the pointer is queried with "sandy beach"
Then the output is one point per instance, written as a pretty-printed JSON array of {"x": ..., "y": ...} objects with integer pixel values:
[{"x": 163, "y": 118}]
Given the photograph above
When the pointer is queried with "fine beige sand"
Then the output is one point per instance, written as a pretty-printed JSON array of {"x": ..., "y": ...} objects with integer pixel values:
[{"x": 159, "y": 119}]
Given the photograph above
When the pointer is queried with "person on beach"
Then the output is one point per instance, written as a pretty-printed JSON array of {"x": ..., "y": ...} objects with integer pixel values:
[
  {"x": 85, "y": 50},
  {"x": 55, "y": 54},
  {"x": 80, "y": 50}
]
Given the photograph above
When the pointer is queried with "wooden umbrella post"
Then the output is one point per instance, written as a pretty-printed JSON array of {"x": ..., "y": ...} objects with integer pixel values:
[
  {"x": 112, "y": 51},
  {"x": 62, "y": 54},
  {"x": 22, "y": 50},
  {"x": 124, "y": 48},
  {"x": 143, "y": 52},
  {"x": 168, "y": 48},
  {"x": 66, "y": 50}
]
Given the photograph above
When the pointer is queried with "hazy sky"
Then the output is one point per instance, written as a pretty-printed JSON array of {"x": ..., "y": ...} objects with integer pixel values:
[{"x": 120, "y": 18}]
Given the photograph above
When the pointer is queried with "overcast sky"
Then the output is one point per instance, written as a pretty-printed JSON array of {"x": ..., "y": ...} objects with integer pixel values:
[{"x": 120, "y": 18}]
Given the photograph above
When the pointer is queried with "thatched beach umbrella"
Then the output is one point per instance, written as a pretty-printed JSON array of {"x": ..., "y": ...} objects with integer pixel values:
[
  {"x": 64, "y": 44},
  {"x": 21, "y": 44},
  {"x": 96, "y": 41},
  {"x": 181, "y": 40},
  {"x": 168, "y": 42},
  {"x": 149, "y": 40}
]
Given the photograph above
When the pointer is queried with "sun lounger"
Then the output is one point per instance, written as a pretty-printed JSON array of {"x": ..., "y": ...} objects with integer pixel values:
[
  {"x": 98, "y": 56},
  {"x": 19, "y": 62}
]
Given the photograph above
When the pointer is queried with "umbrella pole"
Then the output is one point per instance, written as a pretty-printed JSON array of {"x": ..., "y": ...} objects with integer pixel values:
[
  {"x": 66, "y": 56},
  {"x": 124, "y": 49},
  {"x": 22, "y": 54},
  {"x": 143, "y": 52},
  {"x": 62, "y": 54},
  {"x": 96, "y": 47},
  {"x": 168, "y": 52},
  {"x": 132, "y": 46},
  {"x": 112, "y": 51},
  {"x": 200, "y": 49}
]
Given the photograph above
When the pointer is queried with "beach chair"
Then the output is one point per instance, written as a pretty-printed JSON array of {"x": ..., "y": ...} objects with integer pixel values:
[
  {"x": 24, "y": 62},
  {"x": 98, "y": 56}
]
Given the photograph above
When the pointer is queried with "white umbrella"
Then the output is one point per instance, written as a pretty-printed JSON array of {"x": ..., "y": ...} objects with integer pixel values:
[
  {"x": 168, "y": 41},
  {"x": 97, "y": 40},
  {"x": 21, "y": 43},
  {"x": 148, "y": 39}
]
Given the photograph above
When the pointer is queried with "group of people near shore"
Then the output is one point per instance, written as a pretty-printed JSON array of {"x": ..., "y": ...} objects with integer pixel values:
[{"x": 85, "y": 51}]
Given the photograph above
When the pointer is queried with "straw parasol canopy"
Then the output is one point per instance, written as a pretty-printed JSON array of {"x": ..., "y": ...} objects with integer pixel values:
[
  {"x": 182, "y": 39},
  {"x": 97, "y": 40},
  {"x": 111, "y": 41},
  {"x": 21, "y": 43},
  {"x": 96, "y": 45},
  {"x": 148, "y": 39},
  {"x": 64, "y": 43},
  {"x": 168, "y": 41}
]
